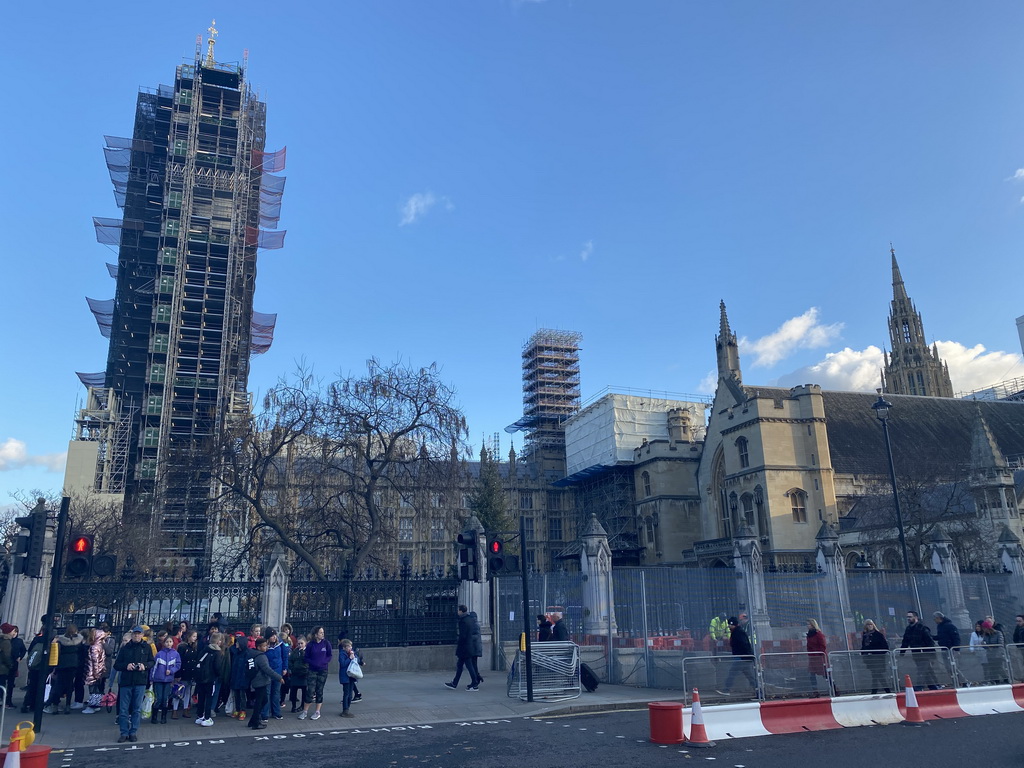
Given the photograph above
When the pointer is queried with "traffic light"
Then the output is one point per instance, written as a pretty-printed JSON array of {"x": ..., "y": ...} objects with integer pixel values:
[
  {"x": 467, "y": 555},
  {"x": 104, "y": 565},
  {"x": 495, "y": 556},
  {"x": 79, "y": 556},
  {"x": 28, "y": 547}
]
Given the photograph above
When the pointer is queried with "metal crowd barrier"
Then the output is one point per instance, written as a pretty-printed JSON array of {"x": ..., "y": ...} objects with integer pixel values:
[
  {"x": 556, "y": 672},
  {"x": 796, "y": 675},
  {"x": 863, "y": 672},
  {"x": 722, "y": 678}
]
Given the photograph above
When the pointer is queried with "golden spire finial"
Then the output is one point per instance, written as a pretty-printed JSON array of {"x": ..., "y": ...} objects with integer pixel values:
[{"x": 209, "y": 45}]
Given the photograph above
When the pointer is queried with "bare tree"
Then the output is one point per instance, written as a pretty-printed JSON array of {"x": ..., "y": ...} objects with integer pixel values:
[{"x": 312, "y": 470}]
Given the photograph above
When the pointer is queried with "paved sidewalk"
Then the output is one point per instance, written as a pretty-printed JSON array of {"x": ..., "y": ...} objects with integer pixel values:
[{"x": 389, "y": 699}]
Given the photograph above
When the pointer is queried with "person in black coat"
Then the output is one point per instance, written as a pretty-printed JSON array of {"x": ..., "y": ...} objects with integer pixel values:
[
  {"x": 468, "y": 649},
  {"x": 743, "y": 658},
  {"x": 18, "y": 652},
  {"x": 543, "y": 628},
  {"x": 875, "y": 647},
  {"x": 560, "y": 630},
  {"x": 918, "y": 641}
]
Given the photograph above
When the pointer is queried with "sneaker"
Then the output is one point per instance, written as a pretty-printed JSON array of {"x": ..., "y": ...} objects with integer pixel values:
[
  {"x": 261, "y": 726},
  {"x": 453, "y": 686},
  {"x": 315, "y": 716},
  {"x": 346, "y": 713},
  {"x": 207, "y": 722},
  {"x": 278, "y": 717},
  {"x": 357, "y": 697},
  {"x": 240, "y": 715},
  {"x": 472, "y": 687},
  {"x": 199, "y": 721},
  {"x": 302, "y": 715},
  {"x": 49, "y": 710},
  {"x": 88, "y": 711},
  {"x": 78, "y": 705}
]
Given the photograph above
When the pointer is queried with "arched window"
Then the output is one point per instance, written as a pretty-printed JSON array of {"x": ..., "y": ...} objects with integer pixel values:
[
  {"x": 741, "y": 449},
  {"x": 762, "y": 514},
  {"x": 747, "y": 505},
  {"x": 721, "y": 506},
  {"x": 734, "y": 507},
  {"x": 646, "y": 477},
  {"x": 798, "y": 503}
]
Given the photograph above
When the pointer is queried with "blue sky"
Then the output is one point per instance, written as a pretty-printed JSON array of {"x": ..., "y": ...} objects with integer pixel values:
[{"x": 461, "y": 174}]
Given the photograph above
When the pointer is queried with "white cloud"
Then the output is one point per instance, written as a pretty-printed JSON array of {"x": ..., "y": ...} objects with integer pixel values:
[
  {"x": 709, "y": 383},
  {"x": 14, "y": 455},
  {"x": 419, "y": 204},
  {"x": 588, "y": 249},
  {"x": 970, "y": 368},
  {"x": 856, "y": 370},
  {"x": 1018, "y": 174},
  {"x": 803, "y": 332}
]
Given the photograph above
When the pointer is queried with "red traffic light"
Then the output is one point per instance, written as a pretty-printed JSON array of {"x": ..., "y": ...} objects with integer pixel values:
[
  {"x": 495, "y": 547},
  {"x": 81, "y": 545}
]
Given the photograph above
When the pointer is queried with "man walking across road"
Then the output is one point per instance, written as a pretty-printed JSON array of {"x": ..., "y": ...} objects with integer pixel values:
[
  {"x": 468, "y": 649},
  {"x": 133, "y": 663}
]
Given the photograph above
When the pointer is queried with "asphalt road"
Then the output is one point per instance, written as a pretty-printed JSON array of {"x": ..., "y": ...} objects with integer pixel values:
[{"x": 608, "y": 739}]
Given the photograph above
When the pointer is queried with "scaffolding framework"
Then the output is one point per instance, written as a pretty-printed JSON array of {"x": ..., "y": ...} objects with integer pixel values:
[{"x": 551, "y": 388}]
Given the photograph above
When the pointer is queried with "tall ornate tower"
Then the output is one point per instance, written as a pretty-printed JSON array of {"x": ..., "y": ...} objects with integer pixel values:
[
  {"x": 727, "y": 348},
  {"x": 912, "y": 368}
]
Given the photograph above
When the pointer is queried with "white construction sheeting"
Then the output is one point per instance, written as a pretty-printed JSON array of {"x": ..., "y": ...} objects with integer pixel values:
[{"x": 606, "y": 432}]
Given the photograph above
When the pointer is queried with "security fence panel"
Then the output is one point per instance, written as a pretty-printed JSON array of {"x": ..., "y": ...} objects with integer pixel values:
[
  {"x": 970, "y": 668},
  {"x": 976, "y": 598},
  {"x": 884, "y": 597},
  {"x": 792, "y": 599},
  {"x": 927, "y": 667},
  {"x": 558, "y": 591},
  {"x": 928, "y": 598},
  {"x": 1005, "y": 603},
  {"x": 1015, "y": 655},
  {"x": 862, "y": 672},
  {"x": 795, "y": 675}
]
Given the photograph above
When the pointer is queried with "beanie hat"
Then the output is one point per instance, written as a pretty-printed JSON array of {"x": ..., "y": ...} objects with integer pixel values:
[
  {"x": 986, "y": 624},
  {"x": 6, "y": 628}
]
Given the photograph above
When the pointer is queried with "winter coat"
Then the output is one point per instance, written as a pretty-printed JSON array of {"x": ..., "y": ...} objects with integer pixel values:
[
  {"x": 1018, "y": 635},
  {"x": 264, "y": 673},
  {"x": 134, "y": 653},
  {"x": 209, "y": 664},
  {"x": 318, "y": 655},
  {"x": 739, "y": 643},
  {"x": 277, "y": 657},
  {"x": 543, "y": 631},
  {"x": 976, "y": 640},
  {"x": 6, "y": 656},
  {"x": 874, "y": 641},
  {"x": 559, "y": 631},
  {"x": 96, "y": 666},
  {"x": 470, "y": 643},
  {"x": 994, "y": 638},
  {"x": 18, "y": 650},
  {"x": 239, "y": 655},
  {"x": 298, "y": 669},
  {"x": 68, "y": 655},
  {"x": 917, "y": 636},
  {"x": 109, "y": 652},
  {"x": 166, "y": 666},
  {"x": 224, "y": 673},
  {"x": 946, "y": 634},
  {"x": 818, "y": 648},
  {"x": 188, "y": 654}
]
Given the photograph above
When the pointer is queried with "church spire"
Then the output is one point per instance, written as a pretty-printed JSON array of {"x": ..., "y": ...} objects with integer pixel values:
[
  {"x": 727, "y": 349},
  {"x": 914, "y": 366}
]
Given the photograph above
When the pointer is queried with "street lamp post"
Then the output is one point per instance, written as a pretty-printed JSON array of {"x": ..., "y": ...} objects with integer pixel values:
[{"x": 881, "y": 408}]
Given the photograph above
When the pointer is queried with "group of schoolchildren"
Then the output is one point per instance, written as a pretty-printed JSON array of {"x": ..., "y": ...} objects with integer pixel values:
[{"x": 174, "y": 670}]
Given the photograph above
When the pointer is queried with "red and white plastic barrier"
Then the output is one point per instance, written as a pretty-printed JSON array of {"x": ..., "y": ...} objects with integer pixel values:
[{"x": 737, "y": 721}]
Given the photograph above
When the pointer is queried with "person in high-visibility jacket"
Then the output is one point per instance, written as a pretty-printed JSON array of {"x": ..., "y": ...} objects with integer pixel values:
[{"x": 719, "y": 632}]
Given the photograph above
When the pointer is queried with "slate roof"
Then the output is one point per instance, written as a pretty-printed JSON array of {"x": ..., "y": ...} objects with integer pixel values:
[{"x": 930, "y": 435}]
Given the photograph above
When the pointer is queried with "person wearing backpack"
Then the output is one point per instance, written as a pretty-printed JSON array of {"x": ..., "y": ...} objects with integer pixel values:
[
  {"x": 67, "y": 667},
  {"x": 206, "y": 670},
  {"x": 37, "y": 660},
  {"x": 260, "y": 674}
]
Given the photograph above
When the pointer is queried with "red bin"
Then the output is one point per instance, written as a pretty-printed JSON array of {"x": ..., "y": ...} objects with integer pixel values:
[
  {"x": 35, "y": 756},
  {"x": 666, "y": 722}
]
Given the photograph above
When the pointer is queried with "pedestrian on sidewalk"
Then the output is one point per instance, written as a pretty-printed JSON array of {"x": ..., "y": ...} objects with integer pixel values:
[
  {"x": 239, "y": 653},
  {"x": 188, "y": 649},
  {"x": 207, "y": 671},
  {"x": 298, "y": 674},
  {"x": 742, "y": 659},
  {"x": 875, "y": 647},
  {"x": 277, "y": 657},
  {"x": 560, "y": 630},
  {"x": 318, "y": 657},
  {"x": 18, "y": 651},
  {"x": 67, "y": 667},
  {"x": 543, "y": 628},
  {"x": 346, "y": 656},
  {"x": 261, "y": 683},
  {"x": 95, "y": 668},
  {"x": 817, "y": 655},
  {"x": 133, "y": 663},
  {"x": 468, "y": 649},
  {"x": 342, "y": 669},
  {"x": 917, "y": 640},
  {"x": 165, "y": 667},
  {"x": 36, "y": 664}
]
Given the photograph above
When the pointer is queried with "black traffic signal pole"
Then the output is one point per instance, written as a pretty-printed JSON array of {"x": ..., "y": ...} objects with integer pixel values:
[
  {"x": 527, "y": 628},
  {"x": 51, "y": 606}
]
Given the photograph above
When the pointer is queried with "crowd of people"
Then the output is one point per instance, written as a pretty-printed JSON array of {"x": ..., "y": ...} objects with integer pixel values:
[
  {"x": 174, "y": 672},
  {"x": 738, "y": 634}
]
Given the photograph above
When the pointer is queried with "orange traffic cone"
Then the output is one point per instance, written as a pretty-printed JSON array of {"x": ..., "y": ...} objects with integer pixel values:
[
  {"x": 13, "y": 758},
  {"x": 914, "y": 716},
  {"x": 698, "y": 734}
]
